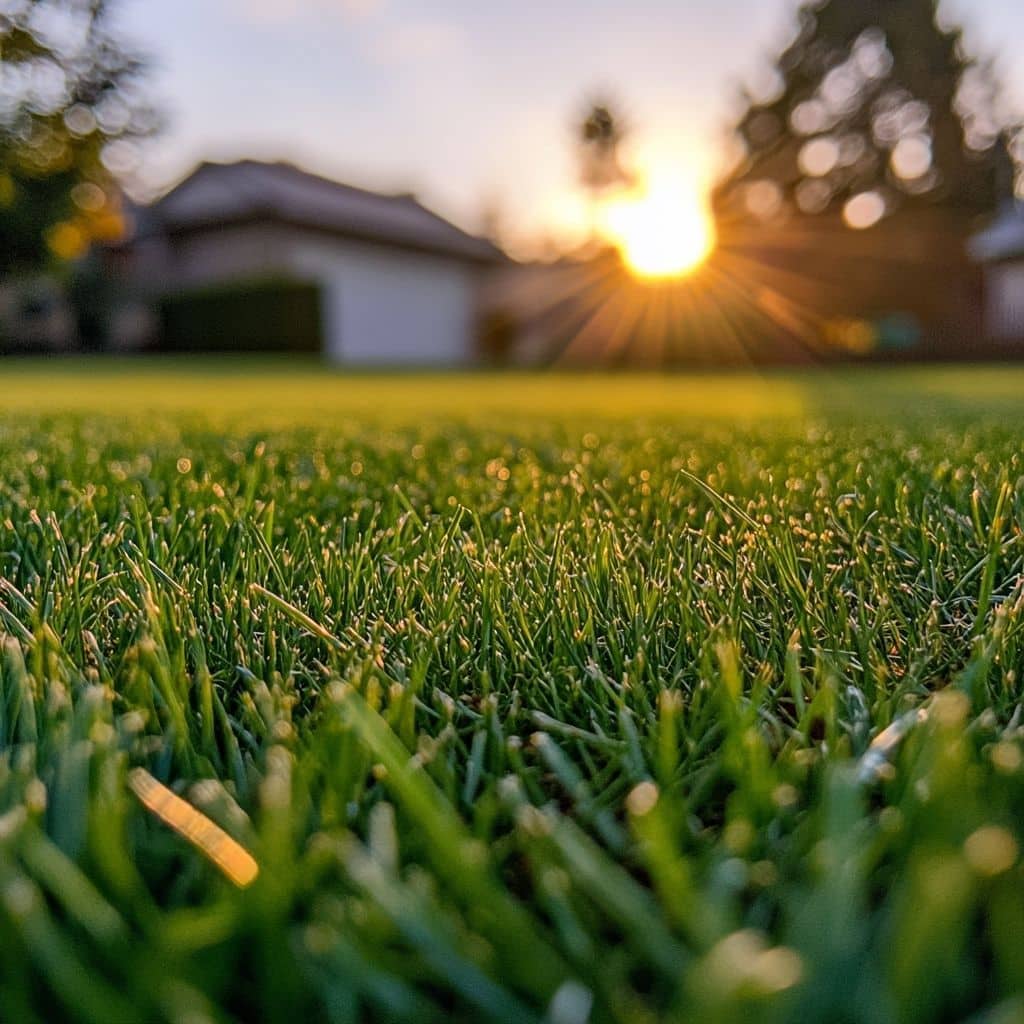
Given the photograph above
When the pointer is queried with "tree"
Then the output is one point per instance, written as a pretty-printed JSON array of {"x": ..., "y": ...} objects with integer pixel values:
[
  {"x": 879, "y": 110},
  {"x": 71, "y": 105},
  {"x": 862, "y": 179},
  {"x": 600, "y": 138}
]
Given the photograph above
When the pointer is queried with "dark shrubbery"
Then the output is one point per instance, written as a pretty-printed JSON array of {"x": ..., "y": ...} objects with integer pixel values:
[{"x": 269, "y": 315}]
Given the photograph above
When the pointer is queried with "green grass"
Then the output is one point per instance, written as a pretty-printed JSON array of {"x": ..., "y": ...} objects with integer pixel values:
[{"x": 534, "y": 698}]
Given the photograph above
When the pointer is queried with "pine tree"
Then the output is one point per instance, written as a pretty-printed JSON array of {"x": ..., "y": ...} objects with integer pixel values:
[
  {"x": 880, "y": 121},
  {"x": 880, "y": 110},
  {"x": 70, "y": 106}
]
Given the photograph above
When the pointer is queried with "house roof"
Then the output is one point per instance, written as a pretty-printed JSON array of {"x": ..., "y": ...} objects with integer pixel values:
[
  {"x": 1003, "y": 239},
  {"x": 219, "y": 194}
]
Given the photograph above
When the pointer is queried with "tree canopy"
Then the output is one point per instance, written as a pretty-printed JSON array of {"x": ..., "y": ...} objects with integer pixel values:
[
  {"x": 600, "y": 138},
  {"x": 878, "y": 109},
  {"x": 71, "y": 106}
]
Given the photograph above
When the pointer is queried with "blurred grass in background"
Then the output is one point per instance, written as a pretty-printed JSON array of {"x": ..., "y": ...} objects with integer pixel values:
[
  {"x": 534, "y": 698},
  {"x": 298, "y": 391}
]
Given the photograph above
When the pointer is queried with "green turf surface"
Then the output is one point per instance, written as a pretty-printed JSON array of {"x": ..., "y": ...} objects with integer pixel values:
[{"x": 534, "y": 698}]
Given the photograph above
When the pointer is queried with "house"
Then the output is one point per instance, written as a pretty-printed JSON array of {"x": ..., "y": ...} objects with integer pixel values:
[
  {"x": 389, "y": 281},
  {"x": 1000, "y": 249}
]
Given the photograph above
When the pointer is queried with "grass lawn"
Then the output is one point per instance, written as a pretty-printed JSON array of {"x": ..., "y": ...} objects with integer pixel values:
[{"x": 526, "y": 698}]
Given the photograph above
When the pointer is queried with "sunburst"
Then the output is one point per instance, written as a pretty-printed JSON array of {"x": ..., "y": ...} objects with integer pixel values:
[{"x": 663, "y": 229}]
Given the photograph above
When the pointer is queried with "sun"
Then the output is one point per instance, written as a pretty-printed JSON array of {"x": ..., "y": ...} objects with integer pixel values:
[{"x": 663, "y": 229}]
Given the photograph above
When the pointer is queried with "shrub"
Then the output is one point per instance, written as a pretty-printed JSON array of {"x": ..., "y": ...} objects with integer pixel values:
[{"x": 266, "y": 315}]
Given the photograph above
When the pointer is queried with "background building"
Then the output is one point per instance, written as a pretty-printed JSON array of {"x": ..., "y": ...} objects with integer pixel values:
[
  {"x": 253, "y": 256},
  {"x": 1001, "y": 250}
]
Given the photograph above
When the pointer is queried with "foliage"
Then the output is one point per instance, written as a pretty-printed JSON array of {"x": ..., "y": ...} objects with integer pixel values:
[
  {"x": 263, "y": 315},
  {"x": 874, "y": 99},
  {"x": 70, "y": 106},
  {"x": 600, "y": 139},
  {"x": 526, "y": 711}
]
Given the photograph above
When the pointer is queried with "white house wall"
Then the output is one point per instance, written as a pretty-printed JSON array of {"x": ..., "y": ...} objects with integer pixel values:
[
  {"x": 231, "y": 253},
  {"x": 381, "y": 305},
  {"x": 391, "y": 307}
]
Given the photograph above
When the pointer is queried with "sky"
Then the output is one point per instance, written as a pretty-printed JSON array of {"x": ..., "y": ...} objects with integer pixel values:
[{"x": 471, "y": 104}]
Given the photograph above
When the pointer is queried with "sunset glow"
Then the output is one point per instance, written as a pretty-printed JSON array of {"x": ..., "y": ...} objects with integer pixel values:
[{"x": 662, "y": 229}]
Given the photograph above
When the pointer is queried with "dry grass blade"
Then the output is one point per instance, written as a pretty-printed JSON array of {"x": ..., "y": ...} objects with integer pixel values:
[
  {"x": 233, "y": 859},
  {"x": 875, "y": 762}
]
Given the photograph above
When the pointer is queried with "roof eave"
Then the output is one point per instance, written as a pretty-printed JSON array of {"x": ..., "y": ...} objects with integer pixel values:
[{"x": 487, "y": 255}]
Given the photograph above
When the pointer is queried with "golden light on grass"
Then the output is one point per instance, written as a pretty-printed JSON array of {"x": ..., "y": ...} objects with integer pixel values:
[
  {"x": 642, "y": 799},
  {"x": 663, "y": 229},
  {"x": 991, "y": 851},
  {"x": 211, "y": 840}
]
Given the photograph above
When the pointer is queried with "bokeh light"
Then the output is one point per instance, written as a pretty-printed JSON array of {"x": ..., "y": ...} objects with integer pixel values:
[{"x": 864, "y": 211}]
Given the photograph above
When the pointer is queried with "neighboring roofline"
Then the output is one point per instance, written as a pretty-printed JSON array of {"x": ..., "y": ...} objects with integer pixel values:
[
  {"x": 1002, "y": 240},
  {"x": 995, "y": 259},
  {"x": 460, "y": 249}
]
